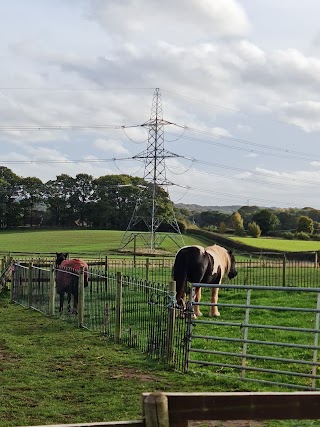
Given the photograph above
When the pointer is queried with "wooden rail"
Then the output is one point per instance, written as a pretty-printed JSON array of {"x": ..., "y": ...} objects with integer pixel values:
[{"x": 176, "y": 409}]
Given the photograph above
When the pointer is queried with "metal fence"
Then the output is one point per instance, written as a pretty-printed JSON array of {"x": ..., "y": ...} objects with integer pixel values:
[
  {"x": 140, "y": 313},
  {"x": 127, "y": 310},
  {"x": 267, "y": 334}
]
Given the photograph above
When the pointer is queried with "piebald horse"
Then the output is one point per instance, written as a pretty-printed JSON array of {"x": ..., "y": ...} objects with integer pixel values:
[
  {"x": 67, "y": 279},
  {"x": 196, "y": 264}
]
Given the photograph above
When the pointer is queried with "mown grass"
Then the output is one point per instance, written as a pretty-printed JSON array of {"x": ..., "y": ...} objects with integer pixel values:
[
  {"x": 74, "y": 241},
  {"x": 279, "y": 244},
  {"x": 52, "y": 372}
]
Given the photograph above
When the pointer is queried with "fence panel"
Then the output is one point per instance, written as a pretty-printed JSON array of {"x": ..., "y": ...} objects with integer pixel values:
[{"x": 267, "y": 334}]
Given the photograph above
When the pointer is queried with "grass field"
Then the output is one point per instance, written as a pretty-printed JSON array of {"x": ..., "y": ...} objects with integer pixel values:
[
  {"x": 280, "y": 244},
  {"x": 74, "y": 241},
  {"x": 52, "y": 373}
]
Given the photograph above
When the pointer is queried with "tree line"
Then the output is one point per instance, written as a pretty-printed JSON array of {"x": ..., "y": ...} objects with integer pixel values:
[
  {"x": 108, "y": 202},
  {"x": 255, "y": 221}
]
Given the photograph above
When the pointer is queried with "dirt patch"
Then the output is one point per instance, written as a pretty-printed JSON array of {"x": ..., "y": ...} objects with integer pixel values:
[
  {"x": 132, "y": 373},
  {"x": 233, "y": 423}
]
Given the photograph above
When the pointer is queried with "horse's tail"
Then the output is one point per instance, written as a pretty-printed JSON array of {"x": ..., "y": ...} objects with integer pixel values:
[{"x": 180, "y": 273}]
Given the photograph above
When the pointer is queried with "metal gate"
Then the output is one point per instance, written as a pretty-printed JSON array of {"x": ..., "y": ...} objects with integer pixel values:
[{"x": 265, "y": 334}]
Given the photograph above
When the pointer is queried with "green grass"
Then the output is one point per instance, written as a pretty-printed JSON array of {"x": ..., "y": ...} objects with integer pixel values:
[
  {"x": 279, "y": 244},
  {"x": 74, "y": 241},
  {"x": 52, "y": 372}
]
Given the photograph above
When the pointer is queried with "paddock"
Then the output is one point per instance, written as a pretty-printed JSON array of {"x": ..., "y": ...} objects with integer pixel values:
[{"x": 270, "y": 341}]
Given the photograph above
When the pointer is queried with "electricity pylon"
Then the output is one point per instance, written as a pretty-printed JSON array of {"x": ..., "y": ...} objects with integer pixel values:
[{"x": 147, "y": 209}]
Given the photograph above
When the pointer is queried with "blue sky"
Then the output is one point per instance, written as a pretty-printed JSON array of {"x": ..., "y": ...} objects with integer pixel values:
[{"x": 244, "y": 75}]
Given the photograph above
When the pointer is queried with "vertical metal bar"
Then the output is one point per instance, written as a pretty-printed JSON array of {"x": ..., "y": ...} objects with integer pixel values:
[
  {"x": 245, "y": 335},
  {"x": 30, "y": 284},
  {"x": 171, "y": 320},
  {"x": 189, "y": 315},
  {"x": 284, "y": 271},
  {"x": 118, "y": 308},
  {"x": 81, "y": 298},
  {"x": 316, "y": 341},
  {"x": 52, "y": 291}
]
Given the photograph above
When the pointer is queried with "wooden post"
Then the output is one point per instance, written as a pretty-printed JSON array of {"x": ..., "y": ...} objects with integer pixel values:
[
  {"x": 30, "y": 266},
  {"x": 155, "y": 409},
  {"x": 81, "y": 297},
  {"x": 284, "y": 270},
  {"x": 171, "y": 321},
  {"x": 12, "y": 282},
  {"x": 147, "y": 268},
  {"x": 118, "y": 308},
  {"x": 316, "y": 259},
  {"x": 52, "y": 290}
]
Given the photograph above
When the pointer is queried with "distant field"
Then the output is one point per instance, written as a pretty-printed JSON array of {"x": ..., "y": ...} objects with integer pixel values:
[
  {"x": 74, "y": 241},
  {"x": 280, "y": 244}
]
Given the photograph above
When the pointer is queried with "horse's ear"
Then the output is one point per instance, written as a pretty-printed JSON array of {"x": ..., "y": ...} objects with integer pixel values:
[
  {"x": 230, "y": 252},
  {"x": 66, "y": 255}
]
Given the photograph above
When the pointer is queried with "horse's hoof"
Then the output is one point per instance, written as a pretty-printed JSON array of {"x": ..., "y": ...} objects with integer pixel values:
[{"x": 215, "y": 314}]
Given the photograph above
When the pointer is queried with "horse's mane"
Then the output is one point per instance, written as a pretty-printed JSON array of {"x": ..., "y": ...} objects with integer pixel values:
[{"x": 223, "y": 254}]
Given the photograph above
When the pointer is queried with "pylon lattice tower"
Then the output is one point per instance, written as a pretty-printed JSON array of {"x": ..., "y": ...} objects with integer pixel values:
[{"x": 147, "y": 209}]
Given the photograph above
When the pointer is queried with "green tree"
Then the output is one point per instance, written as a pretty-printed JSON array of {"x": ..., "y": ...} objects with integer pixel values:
[
  {"x": 305, "y": 224},
  {"x": 31, "y": 193},
  {"x": 266, "y": 219},
  {"x": 237, "y": 223},
  {"x": 254, "y": 230},
  {"x": 58, "y": 200},
  {"x": 10, "y": 209}
]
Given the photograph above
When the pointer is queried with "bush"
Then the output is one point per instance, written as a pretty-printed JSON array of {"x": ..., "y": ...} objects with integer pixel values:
[
  {"x": 254, "y": 230},
  {"x": 301, "y": 235}
]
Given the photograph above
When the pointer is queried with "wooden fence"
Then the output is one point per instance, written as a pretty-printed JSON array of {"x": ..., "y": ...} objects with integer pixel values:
[{"x": 178, "y": 409}]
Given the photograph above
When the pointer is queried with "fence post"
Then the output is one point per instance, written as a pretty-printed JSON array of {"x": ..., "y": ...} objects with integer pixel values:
[
  {"x": 245, "y": 335},
  {"x": 171, "y": 320},
  {"x": 52, "y": 290},
  {"x": 81, "y": 297},
  {"x": 118, "y": 308},
  {"x": 12, "y": 282},
  {"x": 106, "y": 273},
  {"x": 155, "y": 409},
  {"x": 30, "y": 266},
  {"x": 284, "y": 261},
  {"x": 134, "y": 250},
  {"x": 316, "y": 259},
  {"x": 147, "y": 268}
]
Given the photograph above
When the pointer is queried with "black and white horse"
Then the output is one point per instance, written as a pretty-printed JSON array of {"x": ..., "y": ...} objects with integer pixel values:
[
  {"x": 196, "y": 264},
  {"x": 67, "y": 279}
]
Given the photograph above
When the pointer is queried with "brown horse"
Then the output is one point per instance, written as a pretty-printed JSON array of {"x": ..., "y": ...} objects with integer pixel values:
[
  {"x": 196, "y": 264},
  {"x": 67, "y": 279}
]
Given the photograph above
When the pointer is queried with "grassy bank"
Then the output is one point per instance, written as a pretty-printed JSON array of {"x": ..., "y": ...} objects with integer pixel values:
[{"x": 52, "y": 373}]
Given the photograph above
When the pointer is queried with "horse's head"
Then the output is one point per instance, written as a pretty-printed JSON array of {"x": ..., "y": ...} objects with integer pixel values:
[
  {"x": 60, "y": 256},
  {"x": 232, "y": 271}
]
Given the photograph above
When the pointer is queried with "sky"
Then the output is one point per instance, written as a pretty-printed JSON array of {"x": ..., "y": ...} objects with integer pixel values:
[{"x": 239, "y": 81}]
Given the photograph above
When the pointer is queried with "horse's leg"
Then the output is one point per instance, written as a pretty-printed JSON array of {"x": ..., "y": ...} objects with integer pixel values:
[
  {"x": 69, "y": 301},
  {"x": 61, "y": 302},
  {"x": 214, "y": 300}
]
